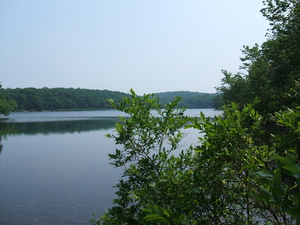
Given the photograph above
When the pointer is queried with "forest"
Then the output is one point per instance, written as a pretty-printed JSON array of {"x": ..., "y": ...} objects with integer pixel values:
[{"x": 54, "y": 99}]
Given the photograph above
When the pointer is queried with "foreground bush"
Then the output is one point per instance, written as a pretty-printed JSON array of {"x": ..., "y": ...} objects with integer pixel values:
[{"x": 239, "y": 173}]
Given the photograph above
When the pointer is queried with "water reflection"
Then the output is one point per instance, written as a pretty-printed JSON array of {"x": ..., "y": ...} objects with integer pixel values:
[
  {"x": 1, "y": 145},
  {"x": 54, "y": 167},
  {"x": 55, "y": 172},
  {"x": 57, "y": 127},
  {"x": 5, "y": 129}
]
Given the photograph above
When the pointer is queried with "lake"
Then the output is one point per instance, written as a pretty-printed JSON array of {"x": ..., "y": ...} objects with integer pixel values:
[{"x": 54, "y": 166}]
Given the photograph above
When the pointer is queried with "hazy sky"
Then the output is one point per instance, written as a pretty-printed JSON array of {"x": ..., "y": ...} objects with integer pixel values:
[{"x": 147, "y": 45}]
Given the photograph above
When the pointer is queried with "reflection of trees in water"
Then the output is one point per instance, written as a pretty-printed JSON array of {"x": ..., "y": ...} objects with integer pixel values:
[
  {"x": 1, "y": 145},
  {"x": 5, "y": 129},
  {"x": 61, "y": 127},
  {"x": 57, "y": 127}
]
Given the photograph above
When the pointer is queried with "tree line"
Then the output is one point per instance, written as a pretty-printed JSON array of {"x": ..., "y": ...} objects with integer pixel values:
[
  {"x": 51, "y": 99},
  {"x": 189, "y": 99}
]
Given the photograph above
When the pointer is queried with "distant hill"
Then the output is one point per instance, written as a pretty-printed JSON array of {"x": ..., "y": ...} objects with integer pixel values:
[
  {"x": 55, "y": 99},
  {"x": 189, "y": 99}
]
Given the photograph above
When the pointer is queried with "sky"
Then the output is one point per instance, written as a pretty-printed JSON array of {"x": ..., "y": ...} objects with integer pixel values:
[{"x": 147, "y": 45}]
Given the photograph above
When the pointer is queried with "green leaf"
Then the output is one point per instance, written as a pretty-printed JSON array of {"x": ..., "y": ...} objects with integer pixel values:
[
  {"x": 167, "y": 213},
  {"x": 265, "y": 178},
  {"x": 292, "y": 170},
  {"x": 264, "y": 194},
  {"x": 277, "y": 157},
  {"x": 277, "y": 176},
  {"x": 112, "y": 156},
  {"x": 155, "y": 217}
]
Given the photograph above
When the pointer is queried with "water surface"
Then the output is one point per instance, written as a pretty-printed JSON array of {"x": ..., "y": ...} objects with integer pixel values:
[{"x": 54, "y": 167}]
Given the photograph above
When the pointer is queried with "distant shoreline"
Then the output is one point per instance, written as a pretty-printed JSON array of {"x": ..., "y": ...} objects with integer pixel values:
[{"x": 70, "y": 99}]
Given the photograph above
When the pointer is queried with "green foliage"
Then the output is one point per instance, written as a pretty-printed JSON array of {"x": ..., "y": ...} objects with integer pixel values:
[
  {"x": 270, "y": 71},
  {"x": 239, "y": 174},
  {"x": 6, "y": 106},
  {"x": 244, "y": 171},
  {"x": 149, "y": 137},
  {"x": 51, "y": 99},
  {"x": 229, "y": 154},
  {"x": 157, "y": 214},
  {"x": 272, "y": 74},
  {"x": 252, "y": 170},
  {"x": 232, "y": 88},
  {"x": 279, "y": 186}
]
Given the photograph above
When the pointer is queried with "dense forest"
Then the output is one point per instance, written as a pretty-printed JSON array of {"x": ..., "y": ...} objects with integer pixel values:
[{"x": 51, "y": 99}]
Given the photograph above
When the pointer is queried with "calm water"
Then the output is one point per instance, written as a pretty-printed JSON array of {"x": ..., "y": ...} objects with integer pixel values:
[{"x": 54, "y": 167}]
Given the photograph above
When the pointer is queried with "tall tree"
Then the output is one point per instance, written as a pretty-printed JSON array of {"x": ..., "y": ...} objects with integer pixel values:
[
  {"x": 283, "y": 50},
  {"x": 270, "y": 71}
]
